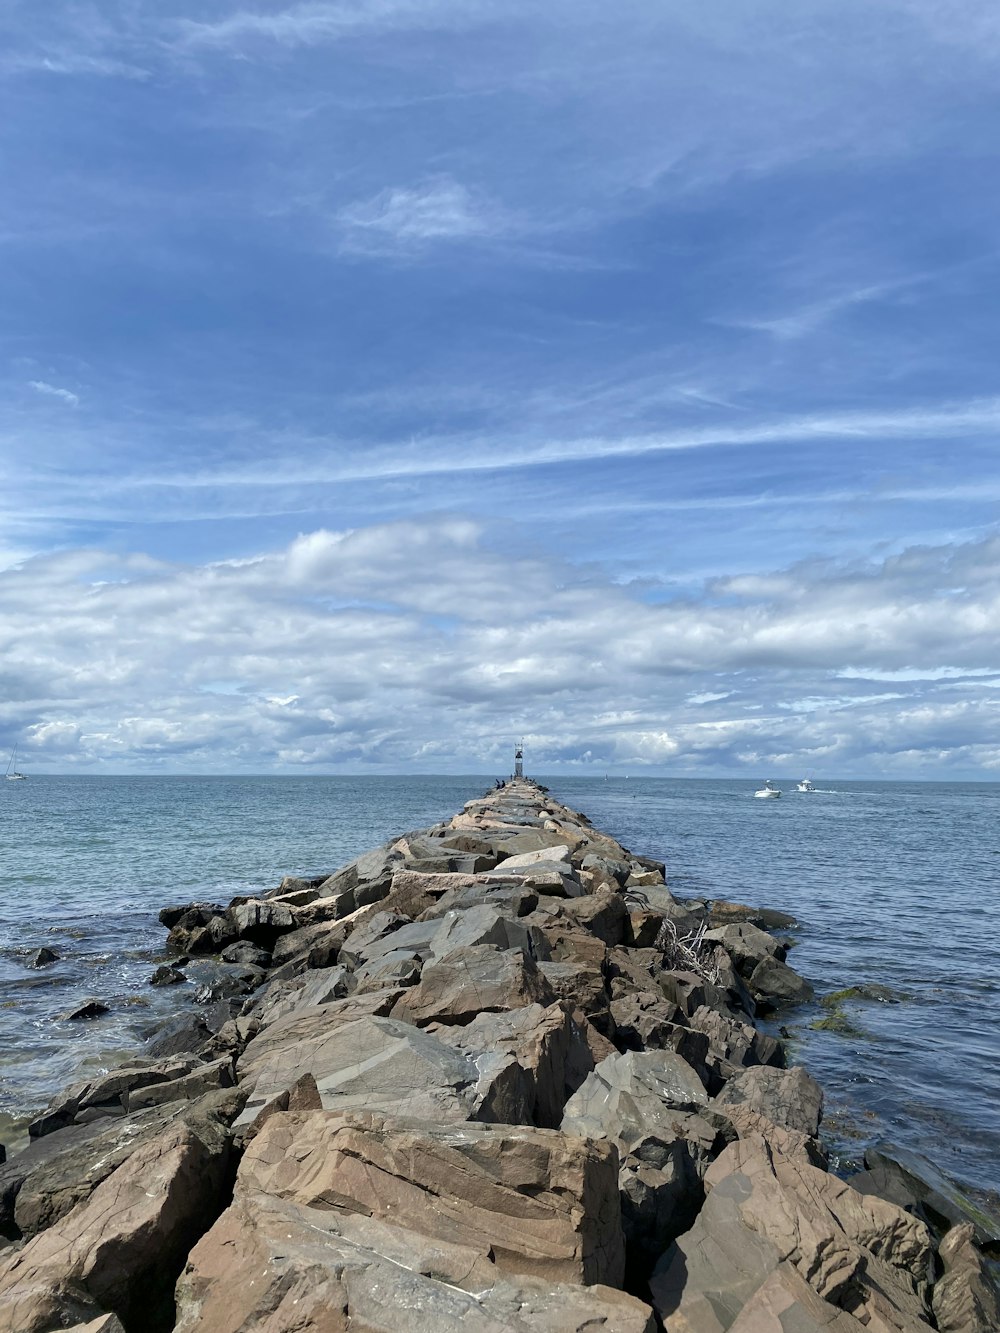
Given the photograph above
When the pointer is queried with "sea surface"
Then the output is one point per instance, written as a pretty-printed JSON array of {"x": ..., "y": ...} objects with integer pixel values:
[{"x": 895, "y": 888}]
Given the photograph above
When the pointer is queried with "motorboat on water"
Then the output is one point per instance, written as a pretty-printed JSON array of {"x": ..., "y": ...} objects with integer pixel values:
[
  {"x": 12, "y": 775},
  {"x": 805, "y": 785},
  {"x": 769, "y": 792}
]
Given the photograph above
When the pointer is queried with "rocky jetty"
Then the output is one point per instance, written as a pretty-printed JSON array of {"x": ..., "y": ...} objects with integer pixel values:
[{"x": 490, "y": 1076}]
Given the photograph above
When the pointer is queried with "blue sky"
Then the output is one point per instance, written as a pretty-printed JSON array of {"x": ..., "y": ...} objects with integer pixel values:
[{"x": 383, "y": 380}]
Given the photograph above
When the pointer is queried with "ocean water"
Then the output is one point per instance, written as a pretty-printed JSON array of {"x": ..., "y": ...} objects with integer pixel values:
[{"x": 895, "y": 888}]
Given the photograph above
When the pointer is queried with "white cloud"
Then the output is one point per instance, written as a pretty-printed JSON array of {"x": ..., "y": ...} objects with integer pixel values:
[
  {"x": 436, "y": 210},
  {"x": 53, "y": 391},
  {"x": 362, "y": 648},
  {"x": 322, "y": 21}
]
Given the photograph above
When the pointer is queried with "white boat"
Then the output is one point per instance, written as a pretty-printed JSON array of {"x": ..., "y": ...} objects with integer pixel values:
[
  {"x": 769, "y": 792},
  {"x": 805, "y": 785},
  {"x": 12, "y": 775}
]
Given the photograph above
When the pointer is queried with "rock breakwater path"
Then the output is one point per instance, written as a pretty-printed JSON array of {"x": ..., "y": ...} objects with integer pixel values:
[{"x": 489, "y": 1076}]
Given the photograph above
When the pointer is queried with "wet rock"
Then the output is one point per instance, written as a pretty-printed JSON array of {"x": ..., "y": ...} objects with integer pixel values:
[
  {"x": 722, "y": 913},
  {"x": 44, "y": 957},
  {"x": 91, "y": 1009},
  {"x": 773, "y": 984},
  {"x": 908, "y": 1179},
  {"x": 167, "y": 976}
]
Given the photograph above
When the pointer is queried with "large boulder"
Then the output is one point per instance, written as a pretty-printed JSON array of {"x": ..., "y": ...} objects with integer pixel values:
[
  {"x": 859, "y": 1254},
  {"x": 632, "y": 1096},
  {"x": 788, "y": 1097},
  {"x": 540, "y": 1202},
  {"x": 531, "y": 1061},
  {"x": 774, "y": 984},
  {"x": 376, "y": 1063},
  {"x": 273, "y": 1264},
  {"x": 121, "y": 1250},
  {"x": 965, "y": 1299},
  {"x": 465, "y": 982},
  {"x": 262, "y": 921}
]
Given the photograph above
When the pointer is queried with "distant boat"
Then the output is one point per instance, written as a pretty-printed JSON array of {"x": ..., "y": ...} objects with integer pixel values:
[
  {"x": 805, "y": 785},
  {"x": 769, "y": 792},
  {"x": 12, "y": 775}
]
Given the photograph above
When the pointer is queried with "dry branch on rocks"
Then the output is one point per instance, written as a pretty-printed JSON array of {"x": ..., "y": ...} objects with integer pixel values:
[{"x": 490, "y": 1076}]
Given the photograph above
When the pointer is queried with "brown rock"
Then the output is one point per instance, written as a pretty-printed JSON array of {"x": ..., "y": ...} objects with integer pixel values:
[
  {"x": 540, "y": 1202},
  {"x": 860, "y": 1254},
  {"x": 965, "y": 1299},
  {"x": 121, "y": 1250},
  {"x": 271, "y": 1264}
]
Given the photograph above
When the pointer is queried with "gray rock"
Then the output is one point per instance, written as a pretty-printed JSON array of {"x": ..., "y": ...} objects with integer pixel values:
[
  {"x": 367, "y": 1063},
  {"x": 790, "y": 1098},
  {"x": 167, "y": 976},
  {"x": 245, "y": 953},
  {"x": 531, "y": 1061},
  {"x": 44, "y": 957},
  {"x": 773, "y": 984},
  {"x": 746, "y": 944},
  {"x": 634, "y": 1096},
  {"x": 262, "y": 921},
  {"x": 466, "y": 982},
  {"x": 913, "y": 1182}
]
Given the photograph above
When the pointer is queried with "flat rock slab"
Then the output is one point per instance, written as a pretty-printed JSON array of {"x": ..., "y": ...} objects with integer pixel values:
[
  {"x": 465, "y": 982},
  {"x": 272, "y": 1264},
  {"x": 376, "y": 1063},
  {"x": 540, "y": 1202}
]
